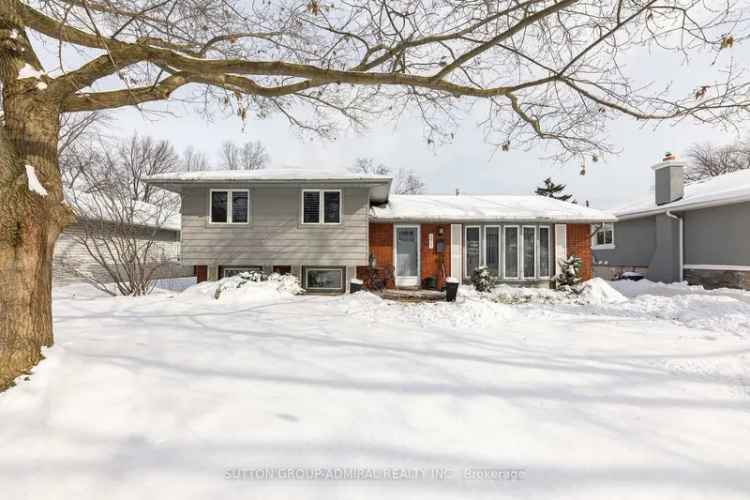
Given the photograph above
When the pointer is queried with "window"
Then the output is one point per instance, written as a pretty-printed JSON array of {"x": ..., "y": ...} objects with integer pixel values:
[
  {"x": 324, "y": 279},
  {"x": 529, "y": 251},
  {"x": 331, "y": 207},
  {"x": 320, "y": 206},
  {"x": 603, "y": 236},
  {"x": 544, "y": 252},
  {"x": 229, "y": 206},
  {"x": 492, "y": 249},
  {"x": 510, "y": 258},
  {"x": 472, "y": 249},
  {"x": 228, "y": 272}
]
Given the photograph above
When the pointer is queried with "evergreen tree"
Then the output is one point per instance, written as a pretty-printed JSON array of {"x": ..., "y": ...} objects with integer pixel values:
[{"x": 552, "y": 190}]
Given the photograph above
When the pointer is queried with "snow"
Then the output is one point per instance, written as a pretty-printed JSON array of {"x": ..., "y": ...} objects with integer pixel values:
[
  {"x": 41, "y": 86},
  {"x": 243, "y": 288},
  {"x": 452, "y": 280},
  {"x": 598, "y": 291},
  {"x": 355, "y": 281},
  {"x": 95, "y": 206},
  {"x": 477, "y": 208},
  {"x": 28, "y": 71},
  {"x": 268, "y": 174},
  {"x": 723, "y": 189},
  {"x": 186, "y": 396},
  {"x": 33, "y": 181}
]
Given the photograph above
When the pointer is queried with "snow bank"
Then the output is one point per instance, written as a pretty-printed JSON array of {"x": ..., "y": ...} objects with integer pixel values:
[
  {"x": 244, "y": 287},
  {"x": 598, "y": 291}
]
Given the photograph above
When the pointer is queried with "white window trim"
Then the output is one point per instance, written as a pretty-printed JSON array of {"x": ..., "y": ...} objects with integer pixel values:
[
  {"x": 321, "y": 208},
  {"x": 499, "y": 247},
  {"x": 467, "y": 274},
  {"x": 518, "y": 256},
  {"x": 396, "y": 227},
  {"x": 229, "y": 192},
  {"x": 241, "y": 269},
  {"x": 550, "y": 251},
  {"x": 337, "y": 269},
  {"x": 595, "y": 229},
  {"x": 536, "y": 253}
]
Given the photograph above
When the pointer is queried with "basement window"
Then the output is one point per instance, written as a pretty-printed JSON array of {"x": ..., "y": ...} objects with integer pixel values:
[
  {"x": 324, "y": 279},
  {"x": 228, "y": 272}
]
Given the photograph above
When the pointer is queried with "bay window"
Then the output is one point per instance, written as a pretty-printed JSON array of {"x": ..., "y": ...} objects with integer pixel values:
[
  {"x": 529, "y": 251},
  {"x": 473, "y": 250},
  {"x": 492, "y": 249},
  {"x": 510, "y": 254},
  {"x": 544, "y": 251}
]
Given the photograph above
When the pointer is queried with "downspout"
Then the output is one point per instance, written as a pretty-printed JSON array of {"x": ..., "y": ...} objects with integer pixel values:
[{"x": 680, "y": 231}]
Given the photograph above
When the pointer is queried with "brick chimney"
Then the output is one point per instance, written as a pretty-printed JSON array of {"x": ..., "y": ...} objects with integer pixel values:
[{"x": 669, "y": 176}]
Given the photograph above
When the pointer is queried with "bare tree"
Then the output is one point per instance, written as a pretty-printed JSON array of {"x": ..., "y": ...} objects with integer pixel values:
[
  {"x": 407, "y": 182},
  {"x": 547, "y": 70},
  {"x": 77, "y": 133},
  {"x": 122, "y": 235},
  {"x": 368, "y": 166},
  {"x": 250, "y": 156},
  {"x": 138, "y": 158},
  {"x": 707, "y": 160},
  {"x": 194, "y": 160},
  {"x": 119, "y": 216}
]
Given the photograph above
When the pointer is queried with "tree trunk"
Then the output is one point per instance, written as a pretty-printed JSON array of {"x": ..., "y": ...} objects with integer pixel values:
[{"x": 30, "y": 223}]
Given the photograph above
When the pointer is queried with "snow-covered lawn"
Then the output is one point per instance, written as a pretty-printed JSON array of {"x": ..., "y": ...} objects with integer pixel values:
[{"x": 644, "y": 394}]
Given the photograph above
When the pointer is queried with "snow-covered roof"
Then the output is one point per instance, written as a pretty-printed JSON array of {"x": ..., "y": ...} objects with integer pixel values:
[
  {"x": 721, "y": 190},
  {"x": 379, "y": 184},
  {"x": 269, "y": 174},
  {"x": 485, "y": 208},
  {"x": 94, "y": 207}
]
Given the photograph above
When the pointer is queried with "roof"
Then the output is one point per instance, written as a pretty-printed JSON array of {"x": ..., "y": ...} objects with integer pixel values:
[
  {"x": 94, "y": 207},
  {"x": 720, "y": 190},
  {"x": 173, "y": 181},
  {"x": 485, "y": 208}
]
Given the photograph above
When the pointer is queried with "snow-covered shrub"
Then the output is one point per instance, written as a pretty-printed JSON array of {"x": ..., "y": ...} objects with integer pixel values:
[
  {"x": 256, "y": 276},
  {"x": 570, "y": 273},
  {"x": 482, "y": 279},
  {"x": 286, "y": 283}
]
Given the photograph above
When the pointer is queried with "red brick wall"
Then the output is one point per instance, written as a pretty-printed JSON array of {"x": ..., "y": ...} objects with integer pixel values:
[
  {"x": 579, "y": 244},
  {"x": 434, "y": 263},
  {"x": 381, "y": 246}
]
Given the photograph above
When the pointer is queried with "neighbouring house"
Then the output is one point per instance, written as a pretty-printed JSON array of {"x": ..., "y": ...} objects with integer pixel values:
[
  {"x": 330, "y": 227},
  {"x": 73, "y": 262},
  {"x": 696, "y": 232}
]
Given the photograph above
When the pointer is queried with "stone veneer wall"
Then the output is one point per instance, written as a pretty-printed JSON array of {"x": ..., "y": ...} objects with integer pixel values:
[{"x": 714, "y": 278}]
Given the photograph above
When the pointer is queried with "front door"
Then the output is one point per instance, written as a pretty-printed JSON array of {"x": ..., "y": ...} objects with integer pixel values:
[{"x": 407, "y": 255}]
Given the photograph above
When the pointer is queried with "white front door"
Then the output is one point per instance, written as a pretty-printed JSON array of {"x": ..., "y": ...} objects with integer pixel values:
[{"x": 406, "y": 255}]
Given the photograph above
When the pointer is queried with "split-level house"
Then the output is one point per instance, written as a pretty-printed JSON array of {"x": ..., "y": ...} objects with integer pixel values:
[
  {"x": 330, "y": 227},
  {"x": 699, "y": 232}
]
